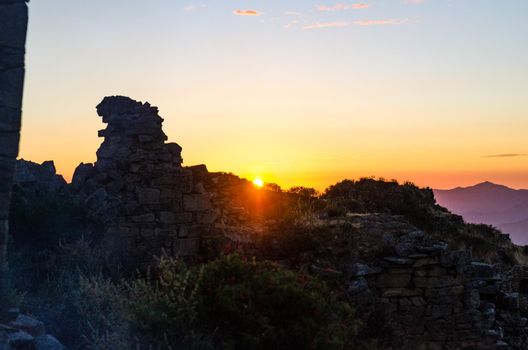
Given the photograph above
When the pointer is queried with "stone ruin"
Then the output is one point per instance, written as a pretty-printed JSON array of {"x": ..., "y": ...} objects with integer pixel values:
[
  {"x": 431, "y": 296},
  {"x": 149, "y": 202}
]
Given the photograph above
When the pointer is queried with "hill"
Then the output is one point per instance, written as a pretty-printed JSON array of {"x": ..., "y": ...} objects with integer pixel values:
[{"x": 492, "y": 204}]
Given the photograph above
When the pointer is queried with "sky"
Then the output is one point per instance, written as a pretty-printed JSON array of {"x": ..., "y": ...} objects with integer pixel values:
[{"x": 293, "y": 92}]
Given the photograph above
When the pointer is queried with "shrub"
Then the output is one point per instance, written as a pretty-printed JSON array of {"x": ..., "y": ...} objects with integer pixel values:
[
  {"x": 258, "y": 305},
  {"x": 83, "y": 312},
  {"x": 162, "y": 306},
  {"x": 370, "y": 195}
]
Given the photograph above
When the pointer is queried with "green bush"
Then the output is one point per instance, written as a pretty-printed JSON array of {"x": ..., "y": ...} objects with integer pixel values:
[
  {"x": 369, "y": 195},
  {"x": 258, "y": 305},
  {"x": 162, "y": 307},
  {"x": 232, "y": 303}
]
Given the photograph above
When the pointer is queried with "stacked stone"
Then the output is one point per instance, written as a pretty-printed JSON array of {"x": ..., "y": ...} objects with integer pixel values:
[
  {"x": 160, "y": 208},
  {"x": 13, "y": 25},
  {"x": 436, "y": 298},
  {"x": 39, "y": 178},
  {"x": 231, "y": 217}
]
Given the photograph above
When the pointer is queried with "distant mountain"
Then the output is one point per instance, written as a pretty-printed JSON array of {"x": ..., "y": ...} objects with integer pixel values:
[{"x": 492, "y": 204}]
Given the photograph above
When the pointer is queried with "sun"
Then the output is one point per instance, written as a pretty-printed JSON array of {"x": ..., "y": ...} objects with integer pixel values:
[{"x": 258, "y": 182}]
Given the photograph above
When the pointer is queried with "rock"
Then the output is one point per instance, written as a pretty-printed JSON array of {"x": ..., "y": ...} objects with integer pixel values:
[
  {"x": 357, "y": 286},
  {"x": 399, "y": 261},
  {"x": 48, "y": 342},
  {"x": 148, "y": 195},
  {"x": 508, "y": 301},
  {"x": 38, "y": 178},
  {"x": 359, "y": 270},
  {"x": 20, "y": 340},
  {"x": 426, "y": 261},
  {"x": 501, "y": 345},
  {"x": 453, "y": 258},
  {"x": 482, "y": 270},
  {"x": 388, "y": 280},
  {"x": 404, "y": 249},
  {"x": 196, "y": 202},
  {"x": 434, "y": 248},
  {"x": 28, "y": 325},
  {"x": 401, "y": 292},
  {"x": 472, "y": 299},
  {"x": 435, "y": 282}
]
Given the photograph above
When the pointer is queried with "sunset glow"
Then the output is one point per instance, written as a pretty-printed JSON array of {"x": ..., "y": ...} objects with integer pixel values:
[
  {"x": 315, "y": 92},
  {"x": 258, "y": 182}
]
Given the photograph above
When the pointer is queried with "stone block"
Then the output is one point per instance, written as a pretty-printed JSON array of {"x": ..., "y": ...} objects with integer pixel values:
[
  {"x": 472, "y": 299},
  {"x": 206, "y": 218},
  {"x": 393, "y": 280},
  {"x": 20, "y": 340},
  {"x": 401, "y": 292},
  {"x": 435, "y": 282},
  {"x": 445, "y": 291},
  {"x": 148, "y": 195},
  {"x": 9, "y": 120},
  {"x": 183, "y": 218},
  {"x": 437, "y": 271},
  {"x": 4, "y": 205},
  {"x": 357, "y": 286},
  {"x": 166, "y": 217},
  {"x": 13, "y": 24},
  {"x": 359, "y": 270},
  {"x": 183, "y": 231},
  {"x": 28, "y": 325},
  {"x": 398, "y": 260},
  {"x": 453, "y": 258},
  {"x": 482, "y": 270},
  {"x": 11, "y": 88},
  {"x": 143, "y": 218},
  {"x": 7, "y": 172},
  {"x": 426, "y": 262},
  {"x": 196, "y": 202},
  {"x": 4, "y": 229}
]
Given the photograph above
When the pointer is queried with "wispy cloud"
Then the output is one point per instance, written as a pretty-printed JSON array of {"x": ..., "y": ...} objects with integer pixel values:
[
  {"x": 293, "y": 13},
  {"x": 343, "y": 7},
  {"x": 239, "y": 12},
  {"x": 193, "y": 7},
  {"x": 506, "y": 155},
  {"x": 321, "y": 25},
  {"x": 381, "y": 22},
  {"x": 291, "y": 24}
]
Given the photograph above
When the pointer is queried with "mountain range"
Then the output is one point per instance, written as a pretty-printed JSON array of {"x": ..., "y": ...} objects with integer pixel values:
[{"x": 488, "y": 203}]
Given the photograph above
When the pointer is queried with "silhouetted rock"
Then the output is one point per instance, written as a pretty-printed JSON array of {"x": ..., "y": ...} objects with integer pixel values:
[{"x": 158, "y": 207}]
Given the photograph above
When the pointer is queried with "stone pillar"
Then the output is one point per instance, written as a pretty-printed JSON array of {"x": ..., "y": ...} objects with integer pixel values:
[{"x": 13, "y": 26}]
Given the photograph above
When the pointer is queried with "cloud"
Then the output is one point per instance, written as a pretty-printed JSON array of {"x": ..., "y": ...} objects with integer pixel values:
[
  {"x": 344, "y": 7},
  {"x": 506, "y": 155},
  {"x": 381, "y": 22},
  {"x": 291, "y": 24},
  {"x": 192, "y": 7},
  {"x": 293, "y": 13},
  {"x": 413, "y": 2},
  {"x": 321, "y": 25},
  {"x": 247, "y": 13}
]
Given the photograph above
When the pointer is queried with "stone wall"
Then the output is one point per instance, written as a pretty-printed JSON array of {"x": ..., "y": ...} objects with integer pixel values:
[
  {"x": 13, "y": 25},
  {"x": 436, "y": 298},
  {"x": 138, "y": 184}
]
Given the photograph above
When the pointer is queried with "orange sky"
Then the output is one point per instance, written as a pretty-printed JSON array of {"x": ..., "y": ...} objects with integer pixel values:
[{"x": 298, "y": 94}]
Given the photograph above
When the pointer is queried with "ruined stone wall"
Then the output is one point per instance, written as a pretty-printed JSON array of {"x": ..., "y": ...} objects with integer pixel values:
[
  {"x": 437, "y": 298},
  {"x": 138, "y": 184},
  {"x": 13, "y": 25}
]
